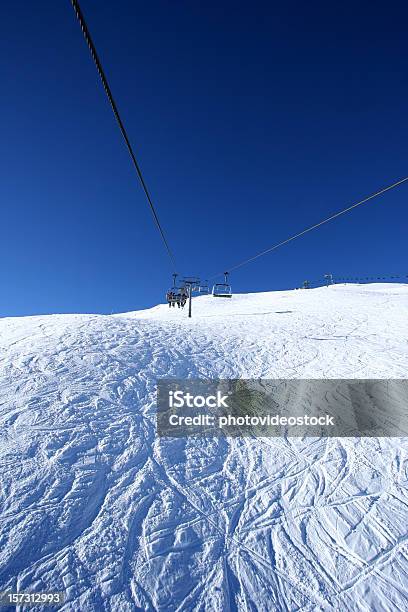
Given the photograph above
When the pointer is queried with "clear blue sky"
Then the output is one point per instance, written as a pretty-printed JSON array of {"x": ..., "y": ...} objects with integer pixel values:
[{"x": 250, "y": 121}]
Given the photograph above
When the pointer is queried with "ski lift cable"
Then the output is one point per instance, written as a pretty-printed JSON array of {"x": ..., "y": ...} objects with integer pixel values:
[
  {"x": 89, "y": 41},
  {"x": 312, "y": 227}
]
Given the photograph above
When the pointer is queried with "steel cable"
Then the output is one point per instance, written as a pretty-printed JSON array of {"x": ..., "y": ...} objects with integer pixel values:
[
  {"x": 108, "y": 92},
  {"x": 312, "y": 227}
]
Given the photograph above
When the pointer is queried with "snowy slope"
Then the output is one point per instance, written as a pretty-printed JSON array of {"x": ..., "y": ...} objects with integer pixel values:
[{"x": 93, "y": 503}]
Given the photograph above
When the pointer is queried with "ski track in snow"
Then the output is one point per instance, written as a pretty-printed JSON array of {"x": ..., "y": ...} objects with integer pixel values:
[{"x": 94, "y": 504}]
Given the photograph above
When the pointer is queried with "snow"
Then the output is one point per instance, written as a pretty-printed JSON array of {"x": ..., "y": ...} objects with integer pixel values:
[{"x": 94, "y": 504}]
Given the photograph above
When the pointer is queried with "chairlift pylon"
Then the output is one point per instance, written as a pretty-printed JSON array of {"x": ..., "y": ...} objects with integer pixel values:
[
  {"x": 222, "y": 289},
  {"x": 193, "y": 282}
]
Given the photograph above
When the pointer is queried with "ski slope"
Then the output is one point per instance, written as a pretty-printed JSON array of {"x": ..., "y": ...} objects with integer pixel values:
[{"x": 92, "y": 503}]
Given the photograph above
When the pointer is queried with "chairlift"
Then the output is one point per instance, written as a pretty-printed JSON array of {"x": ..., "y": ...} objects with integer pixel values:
[
  {"x": 203, "y": 288},
  {"x": 176, "y": 294},
  {"x": 222, "y": 289}
]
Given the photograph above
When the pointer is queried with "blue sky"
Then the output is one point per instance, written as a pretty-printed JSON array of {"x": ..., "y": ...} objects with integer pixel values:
[{"x": 250, "y": 121}]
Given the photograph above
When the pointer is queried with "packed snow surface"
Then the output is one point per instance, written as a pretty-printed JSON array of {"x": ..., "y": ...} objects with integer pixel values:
[{"x": 93, "y": 503}]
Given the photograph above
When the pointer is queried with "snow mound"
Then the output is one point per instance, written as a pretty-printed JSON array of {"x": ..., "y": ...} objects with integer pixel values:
[{"x": 94, "y": 504}]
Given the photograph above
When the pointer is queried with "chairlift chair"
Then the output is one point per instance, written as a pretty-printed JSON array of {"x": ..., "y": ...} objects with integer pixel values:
[
  {"x": 203, "y": 288},
  {"x": 222, "y": 289},
  {"x": 176, "y": 294}
]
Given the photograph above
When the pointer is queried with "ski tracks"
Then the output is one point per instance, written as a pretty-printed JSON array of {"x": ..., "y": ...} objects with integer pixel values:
[{"x": 93, "y": 503}]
